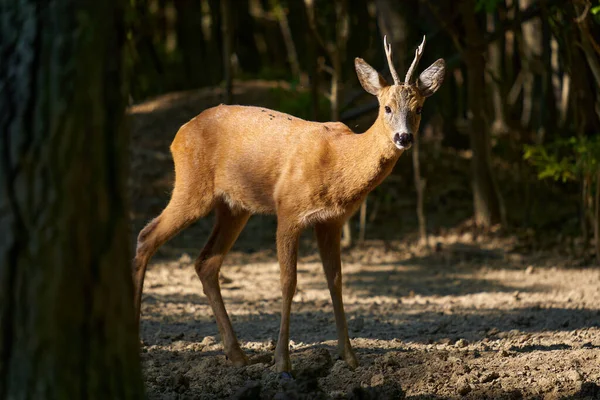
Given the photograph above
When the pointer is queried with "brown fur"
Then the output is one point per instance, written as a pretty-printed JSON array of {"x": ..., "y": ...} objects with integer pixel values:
[{"x": 243, "y": 160}]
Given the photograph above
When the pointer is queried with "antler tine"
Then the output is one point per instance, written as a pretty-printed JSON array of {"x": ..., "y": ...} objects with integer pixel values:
[
  {"x": 388, "y": 54},
  {"x": 413, "y": 66}
]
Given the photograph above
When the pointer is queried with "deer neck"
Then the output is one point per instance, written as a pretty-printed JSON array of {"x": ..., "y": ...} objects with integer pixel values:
[{"x": 369, "y": 160}]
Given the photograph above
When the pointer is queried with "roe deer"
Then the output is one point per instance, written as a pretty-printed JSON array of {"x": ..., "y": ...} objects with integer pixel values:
[{"x": 242, "y": 160}]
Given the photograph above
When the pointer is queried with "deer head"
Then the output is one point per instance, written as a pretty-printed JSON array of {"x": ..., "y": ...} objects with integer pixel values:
[{"x": 400, "y": 104}]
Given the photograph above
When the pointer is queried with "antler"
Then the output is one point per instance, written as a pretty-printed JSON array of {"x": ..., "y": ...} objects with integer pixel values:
[
  {"x": 413, "y": 66},
  {"x": 388, "y": 54}
]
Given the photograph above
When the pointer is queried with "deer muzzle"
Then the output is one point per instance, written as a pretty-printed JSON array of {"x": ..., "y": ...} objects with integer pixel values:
[{"x": 403, "y": 140}]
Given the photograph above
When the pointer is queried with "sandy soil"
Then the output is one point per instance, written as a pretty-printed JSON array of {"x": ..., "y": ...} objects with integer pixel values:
[
  {"x": 459, "y": 322},
  {"x": 474, "y": 316}
]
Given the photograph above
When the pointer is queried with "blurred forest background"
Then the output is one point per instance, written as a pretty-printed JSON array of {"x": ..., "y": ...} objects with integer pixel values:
[{"x": 520, "y": 106}]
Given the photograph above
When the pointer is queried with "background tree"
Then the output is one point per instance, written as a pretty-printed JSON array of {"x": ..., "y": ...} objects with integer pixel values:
[
  {"x": 486, "y": 197},
  {"x": 227, "y": 32},
  {"x": 66, "y": 315}
]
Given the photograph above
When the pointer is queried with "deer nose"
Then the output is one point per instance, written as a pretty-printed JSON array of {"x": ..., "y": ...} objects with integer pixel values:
[{"x": 406, "y": 139}]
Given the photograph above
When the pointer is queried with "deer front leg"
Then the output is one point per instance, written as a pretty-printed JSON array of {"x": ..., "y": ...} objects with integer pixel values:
[
  {"x": 328, "y": 237},
  {"x": 287, "y": 252}
]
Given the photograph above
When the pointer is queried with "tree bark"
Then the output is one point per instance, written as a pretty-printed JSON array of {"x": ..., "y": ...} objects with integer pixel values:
[
  {"x": 66, "y": 312},
  {"x": 486, "y": 197}
]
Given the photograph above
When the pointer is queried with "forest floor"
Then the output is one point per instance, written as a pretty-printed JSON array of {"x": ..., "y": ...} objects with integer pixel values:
[{"x": 494, "y": 315}]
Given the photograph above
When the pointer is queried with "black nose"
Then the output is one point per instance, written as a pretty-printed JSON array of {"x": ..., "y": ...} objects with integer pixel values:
[{"x": 406, "y": 139}]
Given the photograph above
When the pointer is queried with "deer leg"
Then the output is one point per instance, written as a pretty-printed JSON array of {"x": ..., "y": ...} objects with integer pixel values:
[
  {"x": 227, "y": 228},
  {"x": 175, "y": 217},
  {"x": 287, "y": 252},
  {"x": 328, "y": 238}
]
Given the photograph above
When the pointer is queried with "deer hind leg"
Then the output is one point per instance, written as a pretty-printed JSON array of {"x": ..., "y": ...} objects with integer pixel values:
[
  {"x": 328, "y": 238},
  {"x": 287, "y": 252},
  {"x": 228, "y": 226},
  {"x": 182, "y": 210}
]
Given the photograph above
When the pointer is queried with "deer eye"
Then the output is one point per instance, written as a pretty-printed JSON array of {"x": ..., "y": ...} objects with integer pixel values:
[
  {"x": 388, "y": 109},
  {"x": 419, "y": 110}
]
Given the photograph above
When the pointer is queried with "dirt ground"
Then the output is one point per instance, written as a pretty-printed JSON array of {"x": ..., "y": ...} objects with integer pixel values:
[{"x": 472, "y": 316}]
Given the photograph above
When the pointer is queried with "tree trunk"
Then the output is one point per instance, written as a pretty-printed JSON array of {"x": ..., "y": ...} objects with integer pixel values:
[
  {"x": 336, "y": 53},
  {"x": 420, "y": 188},
  {"x": 486, "y": 198},
  {"x": 226, "y": 29},
  {"x": 362, "y": 232},
  {"x": 548, "y": 112},
  {"x": 530, "y": 48},
  {"x": 190, "y": 40},
  {"x": 146, "y": 63},
  {"x": 261, "y": 20},
  {"x": 286, "y": 33},
  {"x": 66, "y": 312},
  {"x": 390, "y": 17},
  {"x": 495, "y": 77},
  {"x": 314, "y": 77}
]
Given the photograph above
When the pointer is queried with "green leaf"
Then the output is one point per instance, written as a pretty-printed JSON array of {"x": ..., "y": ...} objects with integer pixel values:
[{"x": 565, "y": 159}]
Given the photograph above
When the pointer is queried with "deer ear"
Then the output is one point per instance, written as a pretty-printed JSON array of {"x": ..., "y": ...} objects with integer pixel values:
[
  {"x": 370, "y": 79},
  {"x": 431, "y": 79}
]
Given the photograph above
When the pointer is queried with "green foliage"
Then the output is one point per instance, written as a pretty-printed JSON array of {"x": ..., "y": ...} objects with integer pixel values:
[
  {"x": 487, "y": 5},
  {"x": 565, "y": 159},
  {"x": 595, "y": 11}
]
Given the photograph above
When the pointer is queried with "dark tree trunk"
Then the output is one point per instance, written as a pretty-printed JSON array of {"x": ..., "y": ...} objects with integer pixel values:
[
  {"x": 227, "y": 37},
  {"x": 313, "y": 56},
  {"x": 495, "y": 77},
  {"x": 548, "y": 111},
  {"x": 486, "y": 198},
  {"x": 245, "y": 45},
  {"x": 66, "y": 312},
  {"x": 280, "y": 14},
  {"x": 190, "y": 40},
  {"x": 147, "y": 65},
  {"x": 213, "y": 63}
]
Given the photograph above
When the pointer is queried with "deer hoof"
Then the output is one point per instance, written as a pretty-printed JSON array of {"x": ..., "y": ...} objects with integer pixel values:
[
  {"x": 238, "y": 359},
  {"x": 351, "y": 360}
]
